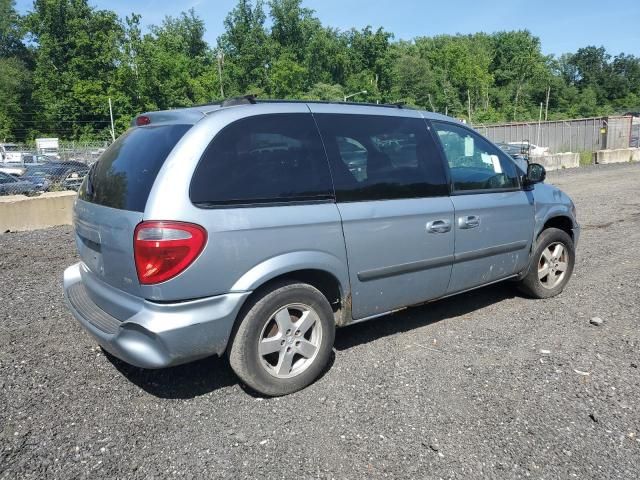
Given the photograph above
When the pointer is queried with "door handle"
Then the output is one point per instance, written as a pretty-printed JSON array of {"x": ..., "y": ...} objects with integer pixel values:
[
  {"x": 470, "y": 221},
  {"x": 439, "y": 226}
]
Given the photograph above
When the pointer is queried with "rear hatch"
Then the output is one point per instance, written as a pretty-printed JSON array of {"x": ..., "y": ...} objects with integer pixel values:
[{"x": 112, "y": 199}]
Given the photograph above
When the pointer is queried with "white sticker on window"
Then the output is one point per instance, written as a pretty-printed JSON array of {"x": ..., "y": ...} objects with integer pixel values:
[
  {"x": 496, "y": 164},
  {"x": 468, "y": 146}
]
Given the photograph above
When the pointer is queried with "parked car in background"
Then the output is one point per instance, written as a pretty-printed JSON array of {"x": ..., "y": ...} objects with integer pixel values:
[
  {"x": 75, "y": 179},
  {"x": 39, "y": 181},
  {"x": 68, "y": 175},
  {"x": 14, "y": 169},
  {"x": 255, "y": 229},
  {"x": 11, "y": 152},
  {"x": 36, "y": 158},
  {"x": 10, "y": 185},
  {"x": 533, "y": 150},
  {"x": 515, "y": 152}
]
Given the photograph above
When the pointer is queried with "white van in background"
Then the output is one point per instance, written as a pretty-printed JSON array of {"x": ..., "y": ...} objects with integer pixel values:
[{"x": 48, "y": 146}]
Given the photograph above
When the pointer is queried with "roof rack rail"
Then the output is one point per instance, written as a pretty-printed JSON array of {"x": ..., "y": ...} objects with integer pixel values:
[
  {"x": 336, "y": 102},
  {"x": 252, "y": 100},
  {"x": 243, "y": 100}
]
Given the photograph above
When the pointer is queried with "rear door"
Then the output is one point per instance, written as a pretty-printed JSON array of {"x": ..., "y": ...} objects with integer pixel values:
[
  {"x": 493, "y": 215},
  {"x": 393, "y": 199},
  {"x": 112, "y": 199}
]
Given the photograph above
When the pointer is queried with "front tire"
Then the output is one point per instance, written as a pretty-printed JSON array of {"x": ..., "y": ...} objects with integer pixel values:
[
  {"x": 551, "y": 264},
  {"x": 284, "y": 339}
]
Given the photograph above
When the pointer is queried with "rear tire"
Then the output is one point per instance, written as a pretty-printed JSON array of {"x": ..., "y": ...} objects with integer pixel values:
[
  {"x": 551, "y": 265},
  {"x": 284, "y": 339}
]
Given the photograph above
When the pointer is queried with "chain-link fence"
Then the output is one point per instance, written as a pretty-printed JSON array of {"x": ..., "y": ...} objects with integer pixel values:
[{"x": 26, "y": 171}]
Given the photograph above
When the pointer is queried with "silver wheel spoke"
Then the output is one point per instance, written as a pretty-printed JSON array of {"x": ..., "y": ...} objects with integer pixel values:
[
  {"x": 558, "y": 251},
  {"x": 547, "y": 255},
  {"x": 283, "y": 319},
  {"x": 285, "y": 362},
  {"x": 307, "y": 321},
  {"x": 562, "y": 267},
  {"x": 270, "y": 345},
  {"x": 306, "y": 348},
  {"x": 543, "y": 272}
]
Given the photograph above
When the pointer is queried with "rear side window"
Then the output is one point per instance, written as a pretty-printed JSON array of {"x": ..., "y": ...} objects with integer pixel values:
[
  {"x": 125, "y": 173},
  {"x": 263, "y": 159},
  {"x": 381, "y": 157}
]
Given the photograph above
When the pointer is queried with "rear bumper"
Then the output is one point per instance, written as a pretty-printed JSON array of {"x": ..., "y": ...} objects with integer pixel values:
[{"x": 156, "y": 335}]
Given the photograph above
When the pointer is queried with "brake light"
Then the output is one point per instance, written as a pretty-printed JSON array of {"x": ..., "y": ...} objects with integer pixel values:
[
  {"x": 164, "y": 249},
  {"x": 142, "y": 120}
]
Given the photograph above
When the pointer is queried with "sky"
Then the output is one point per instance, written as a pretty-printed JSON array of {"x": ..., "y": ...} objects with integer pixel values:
[{"x": 562, "y": 25}]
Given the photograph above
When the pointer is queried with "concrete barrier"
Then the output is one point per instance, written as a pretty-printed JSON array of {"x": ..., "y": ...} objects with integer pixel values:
[
  {"x": 18, "y": 212},
  {"x": 621, "y": 155},
  {"x": 558, "y": 161}
]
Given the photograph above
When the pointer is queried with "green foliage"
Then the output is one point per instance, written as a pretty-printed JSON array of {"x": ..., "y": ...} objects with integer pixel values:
[
  {"x": 586, "y": 158},
  {"x": 60, "y": 63}
]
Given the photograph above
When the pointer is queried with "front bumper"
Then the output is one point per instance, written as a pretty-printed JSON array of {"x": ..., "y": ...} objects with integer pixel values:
[
  {"x": 155, "y": 335},
  {"x": 576, "y": 235}
]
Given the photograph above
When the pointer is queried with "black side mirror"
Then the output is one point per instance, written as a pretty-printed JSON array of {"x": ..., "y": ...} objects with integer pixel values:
[{"x": 536, "y": 173}]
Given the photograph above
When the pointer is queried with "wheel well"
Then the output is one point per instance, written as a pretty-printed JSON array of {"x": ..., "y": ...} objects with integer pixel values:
[
  {"x": 562, "y": 223},
  {"x": 324, "y": 281}
]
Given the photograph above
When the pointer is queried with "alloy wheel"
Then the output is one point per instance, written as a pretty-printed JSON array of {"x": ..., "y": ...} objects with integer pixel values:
[
  {"x": 290, "y": 340},
  {"x": 553, "y": 265}
]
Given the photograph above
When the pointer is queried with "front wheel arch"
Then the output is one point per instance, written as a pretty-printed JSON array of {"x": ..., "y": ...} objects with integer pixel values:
[{"x": 561, "y": 222}]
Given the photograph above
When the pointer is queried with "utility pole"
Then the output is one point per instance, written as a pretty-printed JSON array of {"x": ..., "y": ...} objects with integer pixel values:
[
  {"x": 220, "y": 61},
  {"x": 430, "y": 102},
  {"x": 546, "y": 108},
  {"x": 469, "y": 105},
  {"x": 539, "y": 121},
  {"x": 113, "y": 132}
]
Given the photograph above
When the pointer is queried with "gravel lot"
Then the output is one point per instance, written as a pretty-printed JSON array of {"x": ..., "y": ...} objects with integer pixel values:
[{"x": 487, "y": 384}]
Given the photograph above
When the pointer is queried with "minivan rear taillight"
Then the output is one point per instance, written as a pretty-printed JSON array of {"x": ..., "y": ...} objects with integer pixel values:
[{"x": 163, "y": 249}]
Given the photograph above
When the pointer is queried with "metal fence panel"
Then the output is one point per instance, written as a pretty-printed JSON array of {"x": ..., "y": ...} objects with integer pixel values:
[{"x": 578, "y": 135}]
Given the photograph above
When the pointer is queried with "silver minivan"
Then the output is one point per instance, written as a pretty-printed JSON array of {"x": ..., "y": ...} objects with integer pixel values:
[{"x": 256, "y": 228}]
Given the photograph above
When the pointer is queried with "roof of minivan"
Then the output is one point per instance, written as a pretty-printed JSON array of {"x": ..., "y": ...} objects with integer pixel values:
[{"x": 192, "y": 115}]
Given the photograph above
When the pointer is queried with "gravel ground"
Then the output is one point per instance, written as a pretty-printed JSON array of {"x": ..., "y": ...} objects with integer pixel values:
[{"x": 486, "y": 384}]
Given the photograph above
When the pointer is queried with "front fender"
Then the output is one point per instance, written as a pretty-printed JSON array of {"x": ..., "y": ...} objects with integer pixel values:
[
  {"x": 291, "y": 262},
  {"x": 550, "y": 202}
]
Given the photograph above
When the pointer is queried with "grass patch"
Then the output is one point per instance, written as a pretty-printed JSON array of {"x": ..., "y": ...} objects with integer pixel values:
[{"x": 586, "y": 158}]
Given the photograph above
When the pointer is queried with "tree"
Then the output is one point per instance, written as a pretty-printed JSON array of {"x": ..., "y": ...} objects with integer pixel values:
[
  {"x": 246, "y": 47},
  {"x": 517, "y": 64},
  {"x": 324, "y": 91},
  {"x": 293, "y": 26},
  {"x": 14, "y": 89},
  {"x": 61, "y": 63},
  {"x": 75, "y": 62}
]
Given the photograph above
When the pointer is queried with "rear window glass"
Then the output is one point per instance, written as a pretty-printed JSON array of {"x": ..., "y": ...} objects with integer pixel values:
[
  {"x": 263, "y": 159},
  {"x": 125, "y": 173}
]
